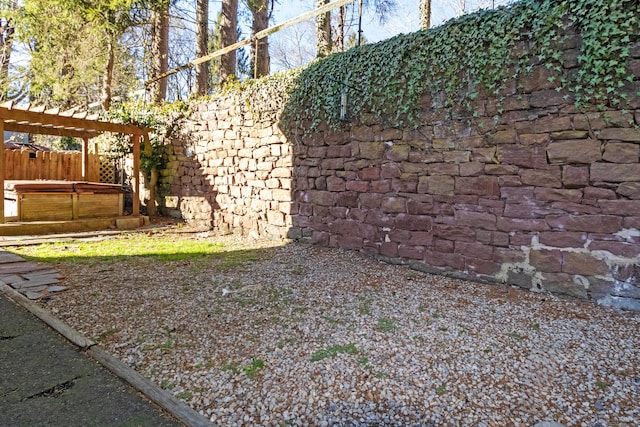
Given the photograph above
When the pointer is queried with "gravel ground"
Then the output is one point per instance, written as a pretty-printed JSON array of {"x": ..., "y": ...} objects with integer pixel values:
[{"x": 290, "y": 334}]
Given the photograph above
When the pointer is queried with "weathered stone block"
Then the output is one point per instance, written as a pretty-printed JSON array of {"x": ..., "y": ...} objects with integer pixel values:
[
  {"x": 476, "y": 220},
  {"x": 519, "y": 224},
  {"x": 492, "y": 169},
  {"x": 562, "y": 283},
  {"x": 414, "y": 222},
  {"x": 618, "y": 152},
  {"x": 371, "y": 150},
  {"x": 444, "y": 260},
  {"x": 557, "y": 194},
  {"x": 533, "y": 138},
  {"x": 443, "y": 169},
  {"x": 425, "y": 157},
  {"x": 457, "y": 156},
  {"x": 370, "y": 173},
  {"x": 545, "y": 125},
  {"x": 335, "y": 184},
  {"x": 542, "y": 178},
  {"x": 343, "y": 151},
  {"x": 528, "y": 157},
  {"x": 394, "y": 204},
  {"x": 574, "y": 151},
  {"x": 547, "y": 98},
  {"x": 454, "y": 232},
  {"x": 589, "y": 223},
  {"x": 623, "y": 249},
  {"x": 420, "y": 238},
  {"x": 390, "y": 170},
  {"x": 481, "y": 266},
  {"x": 473, "y": 249},
  {"x": 479, "y": 185},
  {"x": 322, "y": 198},
  {"x": 507, "y": 136},
  {"x": 575, "y": 176},
  {"x": 472, "y": 169},
  {"x": 620, "y": 207},
  {"x": 389, "y": 249},
  {"x": 583, "y": 263},
  {"x": 630, "y": 190},
  {"x": 411, "y": 252},
  {"x": 415, "y": 207},
  {"x": 359, "y": 186},
  {"x": 608, "y": 172},
  {"x": 439, "y": 184},
  {"x": 493, "y": 238},
  {"x": 380, "y": 219},
  {"x": 380, "y": 186},
  {"x": 398, "y": 153},
  {"x": 407, "y": 183},
  {"x": 621, "y": 134},
  {"x": 548, "y": 261}
]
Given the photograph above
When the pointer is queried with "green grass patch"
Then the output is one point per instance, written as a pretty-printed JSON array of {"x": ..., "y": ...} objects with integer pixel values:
[
  {"x": 333, "y": 351},
  {"x": 387, "y": 325},
  {"x": 129, "y": 248},
  {"x": 253, "y": 368},
  {"x": 185, "y": 395}
]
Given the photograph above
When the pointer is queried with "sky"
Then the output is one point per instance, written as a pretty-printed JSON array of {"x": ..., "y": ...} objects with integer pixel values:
[{"x": 296, "y": 46}]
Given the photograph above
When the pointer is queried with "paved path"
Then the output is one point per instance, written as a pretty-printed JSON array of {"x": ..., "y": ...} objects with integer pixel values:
[
  {"x": 46, "y": 381},
  {"x": 29, "y": 278}
]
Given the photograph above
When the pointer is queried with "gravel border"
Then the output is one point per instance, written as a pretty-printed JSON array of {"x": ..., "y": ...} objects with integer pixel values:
[{"x": 292, "y": 334}]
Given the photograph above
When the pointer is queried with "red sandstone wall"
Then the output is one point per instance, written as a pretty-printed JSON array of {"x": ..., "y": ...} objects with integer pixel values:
[{"x": 547, "y": 197}]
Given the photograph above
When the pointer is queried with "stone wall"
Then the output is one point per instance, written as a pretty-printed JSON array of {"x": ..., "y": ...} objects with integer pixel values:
[
  {"x": 229, "y": 171},
  {"x": 528, "y": 191}
]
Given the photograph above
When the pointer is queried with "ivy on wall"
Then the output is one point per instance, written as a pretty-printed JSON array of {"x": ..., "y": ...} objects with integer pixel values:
[{"x": 472, "y": 55}]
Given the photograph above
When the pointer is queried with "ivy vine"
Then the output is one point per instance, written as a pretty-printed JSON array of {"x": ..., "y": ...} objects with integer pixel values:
[{"x": 468, "y": 56}]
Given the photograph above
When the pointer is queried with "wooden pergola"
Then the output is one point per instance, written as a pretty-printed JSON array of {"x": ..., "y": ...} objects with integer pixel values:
[{"x": 42, "y": 121}]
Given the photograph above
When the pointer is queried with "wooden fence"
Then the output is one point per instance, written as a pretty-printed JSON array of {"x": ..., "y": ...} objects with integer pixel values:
[{"x": 52, "y": 165}]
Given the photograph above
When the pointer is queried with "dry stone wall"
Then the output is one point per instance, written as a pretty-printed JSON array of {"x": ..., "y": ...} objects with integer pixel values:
[
  {"x": 230, "y": 171},
  {"x": 528, "y": 191}
]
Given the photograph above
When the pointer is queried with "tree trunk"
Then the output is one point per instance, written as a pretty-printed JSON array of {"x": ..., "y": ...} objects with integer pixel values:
[
  {"x": 159, "y": 53},
  {"x": 228, "y": 36},
  {"x": 153, "y": 180},
  {"x": 202, "y": 35},
  {"x": 260, "y": 57},
  {"x": 342, "y": 12},
  {"x": 323, "y": 31},
  {"x": 425, "y": 14},
  {"x": 7, "y": 30},
  {"x": 107, "y": 78}
]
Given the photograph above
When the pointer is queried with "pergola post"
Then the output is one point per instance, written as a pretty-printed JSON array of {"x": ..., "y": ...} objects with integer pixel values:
[
  {"x": 85, "y": 159},
  {"x": 2, "y": 172},
  {"x": 135, "y": 140}
]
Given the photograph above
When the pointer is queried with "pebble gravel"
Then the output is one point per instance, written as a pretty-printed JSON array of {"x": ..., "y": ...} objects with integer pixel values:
[{"x": 289, "y": 334}]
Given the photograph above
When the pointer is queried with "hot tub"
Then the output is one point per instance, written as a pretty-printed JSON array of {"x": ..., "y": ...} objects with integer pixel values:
[{"x": 61, "y": 200}]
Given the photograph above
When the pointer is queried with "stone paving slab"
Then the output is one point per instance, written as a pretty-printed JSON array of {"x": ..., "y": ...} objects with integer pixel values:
[
  {"x": 31, "y": 279},
  {"x": 47, "y": 381}
]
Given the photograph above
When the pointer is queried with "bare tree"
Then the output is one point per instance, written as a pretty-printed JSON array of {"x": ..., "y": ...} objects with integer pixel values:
[
  {"x": 425, "y": 14},
  {"x": 159, "y": 52},
  {"x": 228, "y": 36},
  {"x": 323, "y": 31},
  {"x": 260, "y": 12},
  {"x": 202, "y": 35},
  {"x": 7, "y": 30},
  {"x": 293, "y": 47}
]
